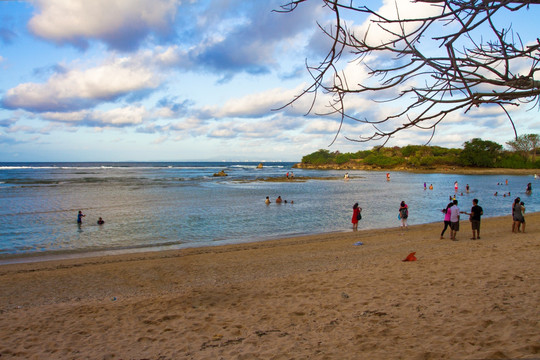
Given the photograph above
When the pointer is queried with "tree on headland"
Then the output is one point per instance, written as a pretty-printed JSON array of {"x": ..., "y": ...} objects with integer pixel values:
[
  {"x": 319, "y": 157},
  {"x": 525, "y": 144},
  {"x": 480, "y": 153},
  {"x": 446, "y": 56}
]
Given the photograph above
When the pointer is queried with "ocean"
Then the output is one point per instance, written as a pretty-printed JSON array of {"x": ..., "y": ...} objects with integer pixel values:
[{"x": 175, "y": 205}]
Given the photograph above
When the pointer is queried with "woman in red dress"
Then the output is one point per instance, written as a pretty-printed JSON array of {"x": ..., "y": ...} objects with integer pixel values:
[{"x": 356, "y": 216}]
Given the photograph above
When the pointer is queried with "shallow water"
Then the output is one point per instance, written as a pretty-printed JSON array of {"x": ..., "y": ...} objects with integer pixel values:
[{"x": 175, "y": 205}]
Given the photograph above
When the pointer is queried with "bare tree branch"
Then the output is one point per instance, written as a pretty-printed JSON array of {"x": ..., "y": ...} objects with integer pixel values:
[{"x": 441, "y": 62}]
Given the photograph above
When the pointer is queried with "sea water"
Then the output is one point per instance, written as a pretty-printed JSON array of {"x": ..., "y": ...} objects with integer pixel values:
[{"x": 156, "y": 206}]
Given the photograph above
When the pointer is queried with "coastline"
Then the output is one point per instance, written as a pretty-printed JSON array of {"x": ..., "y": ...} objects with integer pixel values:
[
  {"x": 316, "y": 296},
  {"x": 437, "y": 170}
]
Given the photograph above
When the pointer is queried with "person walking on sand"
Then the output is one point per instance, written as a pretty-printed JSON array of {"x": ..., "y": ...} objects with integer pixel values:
[
  {"x": 403, "y": 214},
  {"x": 446, "y": 213},
  {"x": 454, "y": 220},
  {"x": 80, "y": 215},
  {"x": 475, "y": 215},
  {"x": 356, "y": 216}
]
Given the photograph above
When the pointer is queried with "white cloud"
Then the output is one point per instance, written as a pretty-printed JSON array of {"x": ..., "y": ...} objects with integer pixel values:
[
  {"x": 262, "y": 103},
  {"x": 117, "y": 22},
  {"x": 81, "y": 88},
  {"x": 394, "y": 9},
  {"x": 186, "y": 124},
  {"x": 118, "y": 117},
  {"x": 170, "y": 56},
  {"x": 131, "y": 115},
  {"x": 259, "y": 104},
  {"x": 222, "y": 132},
  {"x": 269, "y": 128},
  {"x": 321, "y": 126}
]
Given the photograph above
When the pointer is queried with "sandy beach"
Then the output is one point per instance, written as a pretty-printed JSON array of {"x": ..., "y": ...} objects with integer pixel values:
[{"x": 312, "y": 297}]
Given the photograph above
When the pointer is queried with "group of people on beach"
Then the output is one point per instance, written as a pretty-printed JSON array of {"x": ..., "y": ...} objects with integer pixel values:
[
  {"x": 80, "y": 215},
  {"x": 452, "y": 215}
]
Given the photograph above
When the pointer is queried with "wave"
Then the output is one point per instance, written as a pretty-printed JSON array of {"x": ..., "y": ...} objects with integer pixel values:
[
  {"x": 139, "y": 166},
  {"x": 26, "y": 167}
]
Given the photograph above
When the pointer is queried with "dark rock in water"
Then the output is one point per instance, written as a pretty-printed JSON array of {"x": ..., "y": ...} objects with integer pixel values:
[{"x": 221, "y": 173}]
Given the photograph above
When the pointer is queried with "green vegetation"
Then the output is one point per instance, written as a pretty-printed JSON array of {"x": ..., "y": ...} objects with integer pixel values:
[{"x": 475, "y": 153}]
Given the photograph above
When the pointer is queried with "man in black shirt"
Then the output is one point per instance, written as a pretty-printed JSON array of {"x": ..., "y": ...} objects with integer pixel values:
[{"x": 476, "y": 213}]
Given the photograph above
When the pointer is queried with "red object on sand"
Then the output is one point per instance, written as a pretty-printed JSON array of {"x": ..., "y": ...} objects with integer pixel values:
[{"x": 410, "y": 257}]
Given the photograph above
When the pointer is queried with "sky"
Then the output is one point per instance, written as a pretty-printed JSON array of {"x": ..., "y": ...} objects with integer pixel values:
[{"x": 174, "y": 80}]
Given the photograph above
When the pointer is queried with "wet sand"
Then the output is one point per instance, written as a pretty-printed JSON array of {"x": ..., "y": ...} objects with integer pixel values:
[{"x": 311, "y": 297}]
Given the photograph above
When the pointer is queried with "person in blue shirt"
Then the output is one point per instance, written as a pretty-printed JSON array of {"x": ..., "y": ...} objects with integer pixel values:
[{"x": 79, "y": 217}]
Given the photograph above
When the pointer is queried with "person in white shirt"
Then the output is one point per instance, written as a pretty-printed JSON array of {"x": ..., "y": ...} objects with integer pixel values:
[{"x": 454, "y": 220}]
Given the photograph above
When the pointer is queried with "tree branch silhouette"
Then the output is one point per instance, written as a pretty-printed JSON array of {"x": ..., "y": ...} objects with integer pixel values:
[{"x": 456, "y": 58}]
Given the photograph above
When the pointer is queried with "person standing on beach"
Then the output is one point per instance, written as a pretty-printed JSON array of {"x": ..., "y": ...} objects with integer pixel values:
[
  {"x": 403, "y": 214},
  {"x": 517, "y": 216},
  {"x": 446, "y": 213},
  {"x": 516, "y": 212},
  {"x": 454, "y": 220},
  {"x": 476, "y": 213},
  {"x": 356, "y": 216},
  {"x": 523, "y": 215},
  {"x": 80, "y": 215}
]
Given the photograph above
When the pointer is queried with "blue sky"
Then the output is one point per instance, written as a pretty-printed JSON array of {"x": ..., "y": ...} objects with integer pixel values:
[{"x": 172, "y": 80}]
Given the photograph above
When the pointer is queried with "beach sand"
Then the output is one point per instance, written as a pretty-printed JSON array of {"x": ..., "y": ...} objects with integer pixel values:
[{"x": 311, "y": 297}]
